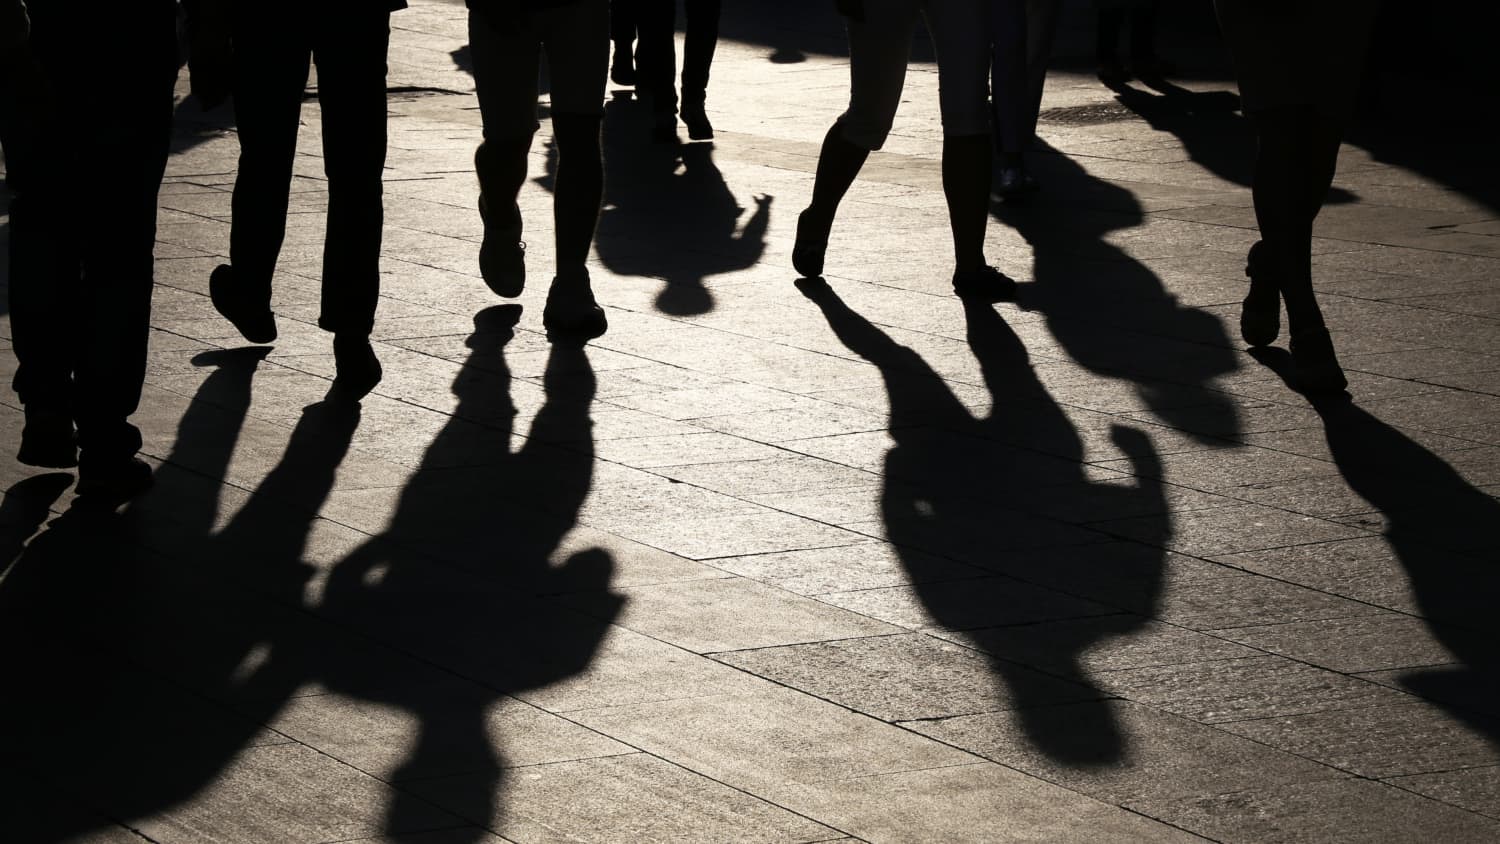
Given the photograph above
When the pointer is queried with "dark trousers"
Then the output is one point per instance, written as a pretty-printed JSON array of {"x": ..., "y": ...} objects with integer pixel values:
[
  {"x": 1023, "y": 32},
  {"x": 272, "y": 58},
  {"x": 83, "y": 224},
  {"x": 622, "y": 21},
  {"x": 656, "y": 53}
]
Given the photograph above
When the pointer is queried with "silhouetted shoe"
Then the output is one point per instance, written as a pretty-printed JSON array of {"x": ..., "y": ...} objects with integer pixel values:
[
  {"x": 571, "y": 312},
  {"x": 810, "y": 247},
  {"x": 699, "y": 129},
  {"x": 109, "y": 483},
  {"x": 48, "y": 440},
  {"x": 1112, "y": 71},
  {"x": 1016, "y": 184},
  {"x": 985, "y": 284},
  {"x": 664, "y": 128},
  {"x": 358, "y": 368},
  {"x": 1315, "y": 363},
  {"x": 1260, "y": 315},
  {"x": 254, "y": 321},
  {"x": 622, "y": 70},
  {"x": 502, "y": 262}
]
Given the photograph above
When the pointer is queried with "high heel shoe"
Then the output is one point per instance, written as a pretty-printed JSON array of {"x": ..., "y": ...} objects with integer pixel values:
[
  {"x": 1315, "y": 363},
  {"x": 1260, "y": 315}
]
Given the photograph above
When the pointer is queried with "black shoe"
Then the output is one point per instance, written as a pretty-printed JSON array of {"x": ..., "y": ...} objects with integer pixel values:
[
  {"x": 1315, "y": 363},
  {"x": 48, "y": 440},
  {"x": 358, "y": 368},
  {"x": 110, "y": 483},
  {"x": 1260, "y": 315},
  {"x": 502, "y": 262},
  {"x": 1015, "y": 184},
  {"x": 699, "y": 129},
  {"x": 254, "y": 321},
  {"x": 571, "y": 313},
  {"x": 985, "y": 284},
  {"x": 810, "y": 248},
  {"x": 622, "y": 70}
]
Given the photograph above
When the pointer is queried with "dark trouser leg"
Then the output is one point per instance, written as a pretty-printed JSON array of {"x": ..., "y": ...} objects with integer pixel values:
[
  {"x": 1106, "y": 47},
  {"x": 506, "y": 71},
  {"x": 622, "y": 23},
  {"x": 1143, "y": 34},
  {"x": 656, "y": 53},
  {"x": 1041, "y": 31},
  {"x": 579, "y": 189},
  {"x": 1009, "y": 85},
  {"x": 270, "y": 71},
  {"x": 351, "y": 89},
  {"x": 839, "y": 163},
  {"x": 124, "y": 173},
  {"x": 698, "y": 51},
  {"x": 966, "y": 186}
]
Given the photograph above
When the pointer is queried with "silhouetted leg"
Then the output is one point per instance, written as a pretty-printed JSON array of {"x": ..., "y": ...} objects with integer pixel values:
[
  {"x": 1143, "y": 40},
  {"x": 656, "y": 54},
  {"x": 1041, "y": 31},
  {"x": 963, "y": 58},
  {"x": 1106, "y": 45},
  {"x": 506, "y": 73},
  {"x": 579, "y": 188},
  {"x": 351, "y": 60},
  {"x": 271, "y": 63},
  {"x": 1009, "y": 82},
  {"x": 45, "y": 284},
  {"x": 698, "y": 51},
  {"x": 966, "y": 187},
  {"x": 622, "y": 18}
]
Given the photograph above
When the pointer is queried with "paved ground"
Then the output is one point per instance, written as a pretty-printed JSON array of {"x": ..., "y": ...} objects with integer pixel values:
[{"x": 772, "y": 562}]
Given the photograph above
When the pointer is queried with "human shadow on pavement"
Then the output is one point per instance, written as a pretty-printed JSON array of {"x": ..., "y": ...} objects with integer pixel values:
[
  {"x": 459, "y": 577},
  {"x": 1099, "y": 301},
  {"x": 159, "y": 644},
  {"x": 669, "y": 214},
  {"x": 1004, "y": 494},
  {"x": 1442, "y": 530},
  {"x": 138, "y": 626}
]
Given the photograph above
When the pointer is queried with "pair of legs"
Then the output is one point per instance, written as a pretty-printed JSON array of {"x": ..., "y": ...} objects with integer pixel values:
[
  {"x": 507, "y": 60},
  {"x": 1297, "y": 152},
  {"x": 1023, "y": 32},
  {"x": 271, "y": 65},
  {"x": 1141, "y": 15},
  {"x": 656, "y": 58},
  {"x": 879, "y": 50},
  {"x": 83, "y": 232},
  {"x": 622, "y": 31}
]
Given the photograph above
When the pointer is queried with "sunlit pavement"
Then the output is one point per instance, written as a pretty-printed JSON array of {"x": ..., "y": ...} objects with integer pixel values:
[{"x": 780, "y": 561}]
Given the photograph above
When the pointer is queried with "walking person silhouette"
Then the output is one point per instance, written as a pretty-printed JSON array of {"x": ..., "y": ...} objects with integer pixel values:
[
  {"x": 1299, "y": 66},
  {"x": 83, "y": 225},
  {"x": 507, "y": 39},
  {"x": 271, "y": 60},
  {"x": 656, "y": 59},
  {"x": 880, "y": 35}
]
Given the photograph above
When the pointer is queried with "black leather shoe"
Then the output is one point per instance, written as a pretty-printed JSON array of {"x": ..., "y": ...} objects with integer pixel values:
[
  {"x": 1260, "y": 315},
  {"x": 254, "y": 321},
  {"x": 985, "y": 284},
  {"x": 48, "y": 440},
  {"x": 358, "y": 368},
  {"x": 1015, "y": 184},
  {"x": 112, "y": 482},
  {"x": 502, "y": 262},
  {"x": 699, "y": 129},
  {"x": 1316, "y": 365}
]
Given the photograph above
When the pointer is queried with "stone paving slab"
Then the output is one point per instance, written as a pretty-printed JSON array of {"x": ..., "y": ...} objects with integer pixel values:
[{"x": 772, "y": 562}]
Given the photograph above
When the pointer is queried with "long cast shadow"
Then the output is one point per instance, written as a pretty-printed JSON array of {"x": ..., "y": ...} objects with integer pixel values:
[
  {"x": 1442, "y": 529},
  {"x": 1098, "y": 300},
  {"x": 138, "y": 627},
  {"x": 964, "y": 487}
]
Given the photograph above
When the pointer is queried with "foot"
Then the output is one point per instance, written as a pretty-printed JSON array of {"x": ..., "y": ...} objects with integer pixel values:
[
  {"x": 48, "y": 440},
  {"x": 1112, "y": 71},
  {"x": 811, "y": 245},
  {"x": 1015, "y": 184},
  {"x": 984, "y": 284},
  {"x": 699, "y": 129},
  {"x": 664, "y": 128},
  {"x": 253, "y": 320},
  {"x": 1315, "y": 364},
  {"x": 622, "y": 70},
  {"x": 358, "y": 368},
  {"x": 1260, "y": 315},
  {"x": 112, "y": 482},
  {"x": 571, "y": 312},
  {"x": 502, "y": 262}
]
